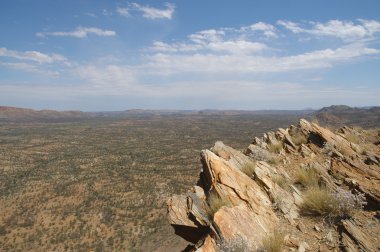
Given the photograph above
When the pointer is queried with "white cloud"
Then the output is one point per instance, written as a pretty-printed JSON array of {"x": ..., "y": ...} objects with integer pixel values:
[
  {"x": 163, "y": 63},
  {"x": 123, "y": 11},
  {"x": 79, "y": 32},
  {"x": 20, "y": 66},
  {"x": 206, "y": 36},
  {"x": 293, "y": 27},
  {"x": 268, "y": 29},
  {"x": 160, "y": 46},
  {"x": 155, "y": 13},
  {"x": 218, "y": 41},
  {"x": 372, "y": 26},
  {"x": 35, "y": 56},
  {"x": 106, "y": 12},
  {"x": 105, "y": 75},
  {"x": 241, "y": 61},
  {"x": 237, "y": 47},
  {"x": 346, "y": 30}
]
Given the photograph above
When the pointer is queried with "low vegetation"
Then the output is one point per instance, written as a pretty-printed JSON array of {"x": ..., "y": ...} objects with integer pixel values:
[
  {"x": 343, "y": 149},
  {"x": 273, "y": 242},
  {"x": 215, "y": 202},
  {"x": 307, "y": 177},
  {"x": 323, "y": 202},
  {"x": 101, "y": 184},
  {"x": 260, "y": 154},
  {"x": 353, "y": 138},
  {"x": 275, "y": 147},
  {"x": 282, "y": 182},
  {"x": 299, "y": 139},
  {"x": 249, "y": 168},
  {"x": 238, "y": 244}
]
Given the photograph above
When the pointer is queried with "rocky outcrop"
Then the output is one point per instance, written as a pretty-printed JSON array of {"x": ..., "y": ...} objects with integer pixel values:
[{"x": 249, "y": 208}]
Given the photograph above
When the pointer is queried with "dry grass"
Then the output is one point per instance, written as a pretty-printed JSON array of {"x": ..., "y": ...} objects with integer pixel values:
[
  {"x": 353, "y": 138},
  {"x": 364, "y": 148},
  {"x": 343, "y": 149},
  {"x": 237, "y": 244},
  {"x": 274, "y": 242},
  {"x": 264, "y": 155},
  {"x": 215, "y": 203},
  {"x": 282, "y": 182},
  {"x": 307, "y": 177},
  {"x": 372, "y": 135},
  {"x": 249, "y": 168},
  {"x": 317, "y": 201},
  {"x": 315, "y": 121},
  {"x": 275, "y": 148},
  {"x": 299, "y": 138},
  {"x": 321, "y": 201}
]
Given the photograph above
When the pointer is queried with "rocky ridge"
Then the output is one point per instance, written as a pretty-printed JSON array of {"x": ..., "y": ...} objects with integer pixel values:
[{"x": 233, "y": 208}]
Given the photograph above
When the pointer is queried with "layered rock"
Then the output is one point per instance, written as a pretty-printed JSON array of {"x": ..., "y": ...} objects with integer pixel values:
[{"x": 254, "y": 205}]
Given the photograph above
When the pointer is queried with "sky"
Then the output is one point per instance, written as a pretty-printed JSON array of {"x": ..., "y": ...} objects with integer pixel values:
[{"x": 102, "y": 55}]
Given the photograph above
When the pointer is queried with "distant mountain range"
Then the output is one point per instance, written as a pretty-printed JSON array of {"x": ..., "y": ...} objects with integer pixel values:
[
  {"x": 24, "y": 114},
  {"x": 335, "y": 115},
  {"x": 339, "y": 115}
]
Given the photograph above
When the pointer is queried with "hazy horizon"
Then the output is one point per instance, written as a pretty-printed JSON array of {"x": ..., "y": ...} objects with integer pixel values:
[
  {"x": 189, "y": 55},
  {"x": 188, "y": 110}
]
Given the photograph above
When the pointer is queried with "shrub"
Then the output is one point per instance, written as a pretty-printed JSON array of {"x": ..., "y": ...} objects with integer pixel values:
[
  {"x": 238, "y": 244},
  {"x": 347, "y": 202},
  {"x": 275, "y": 148},
  {"x": 372, "y": 135},
  {"x": 249, "y": 168},
  {"x": 215, "y": 203},
  {"x": 273, "y": 242},
  {"x": 343, "y": 149},
  {"x": 315, "y": 121},
  {"x": 263, "y": 155},
  {"x": 342, "y": 203},
  {"x": 353, "y": 138},
  {"x": 317, "y": 201},
  {"x": 282, "y": 182},
  {"x": 328, "y": 148},
  {"x": 307, "y": 177},
  {"x": 299, "y": 138}
]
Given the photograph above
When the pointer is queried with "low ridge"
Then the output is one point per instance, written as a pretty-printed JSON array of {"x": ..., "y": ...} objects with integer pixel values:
[{"x": 303, "y": 188}]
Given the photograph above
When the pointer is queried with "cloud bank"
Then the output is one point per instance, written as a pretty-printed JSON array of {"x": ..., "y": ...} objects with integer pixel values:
[
  {"x": 79, "y": 32},
  {"x": 281, "y": 61},
  {"x": 148, "y": 11}
]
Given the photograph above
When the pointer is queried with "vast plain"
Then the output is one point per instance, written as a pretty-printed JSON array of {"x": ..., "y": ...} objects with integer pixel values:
[{"x": 101, "y": 184}]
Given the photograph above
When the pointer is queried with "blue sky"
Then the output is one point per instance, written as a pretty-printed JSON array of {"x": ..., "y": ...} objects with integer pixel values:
[{"x": 189, "y": 54}]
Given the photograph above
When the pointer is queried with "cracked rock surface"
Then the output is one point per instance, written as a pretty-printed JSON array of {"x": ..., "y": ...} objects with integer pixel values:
[{"x": 253, "y": 205}]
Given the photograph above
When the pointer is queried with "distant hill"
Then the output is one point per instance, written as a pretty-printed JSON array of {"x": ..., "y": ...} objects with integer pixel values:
[
  {"x": 13, "y": 114},
  {"x": 23, "y": 114},
  {"x": 339, "y": 115},
  {"x": 336, "y": 115}
]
